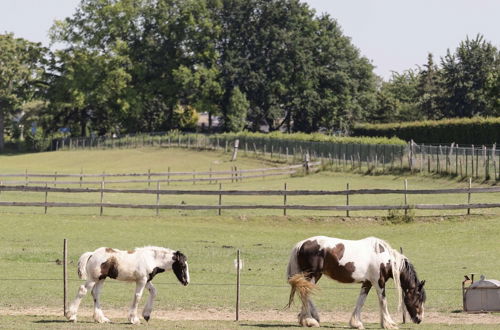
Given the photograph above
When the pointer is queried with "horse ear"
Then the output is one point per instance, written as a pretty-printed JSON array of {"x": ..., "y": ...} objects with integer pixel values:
[{"x": 422, "y": 284}]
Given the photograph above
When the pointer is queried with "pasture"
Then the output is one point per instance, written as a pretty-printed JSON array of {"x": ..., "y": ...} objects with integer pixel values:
[{"x": 443, "y": 248}]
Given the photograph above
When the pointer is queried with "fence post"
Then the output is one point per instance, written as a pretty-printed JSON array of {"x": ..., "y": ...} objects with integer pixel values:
[
  {"x": 406, "y": 197},
  {"x": 194, "y": 176},
  {"x": 149, "y": 177},
  {"x": 81, "y": 177},
  {"x": 168, "y": 176},
  {"x": 102, "y": 194},
  {"x": 306, "y": 162},
  {"x": 238, "y": 267},
  {"x": 284, "y": 200},
  {"x": 235, "y": 150},
  {"x": 347, "y": 199},
  {"x": 469, "y": 195},
  {"x": 46, "y": 196},
  {"x": 220, "y": 197},
  {"x": 65, "y": 274},
  {"x": 210, "y": 176},
  {"x": 157, "y": 198}
]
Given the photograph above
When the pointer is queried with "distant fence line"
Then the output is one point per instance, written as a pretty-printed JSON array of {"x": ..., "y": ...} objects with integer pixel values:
[
  {"x": 285, "y": 206},
  {"x": 479, "y": 162},
  {"x": 234, "y": 174}
]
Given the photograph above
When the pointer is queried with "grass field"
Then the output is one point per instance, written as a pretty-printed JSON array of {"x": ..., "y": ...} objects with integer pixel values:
[{"x": 442, "y": 249}]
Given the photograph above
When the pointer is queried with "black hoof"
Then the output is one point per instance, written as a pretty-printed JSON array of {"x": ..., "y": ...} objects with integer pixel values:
[{"x": 147, "y": 318}]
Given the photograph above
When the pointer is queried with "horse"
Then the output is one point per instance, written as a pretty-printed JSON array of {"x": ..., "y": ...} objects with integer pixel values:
[
  {"x": 140, "y": 265},
  {"x": 370, "y": 261}
]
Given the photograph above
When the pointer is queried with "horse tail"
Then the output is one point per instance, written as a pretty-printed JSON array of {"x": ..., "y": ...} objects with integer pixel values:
[
  {"x": 82, "y": 265},
  {"x": 303, "y": 286}
]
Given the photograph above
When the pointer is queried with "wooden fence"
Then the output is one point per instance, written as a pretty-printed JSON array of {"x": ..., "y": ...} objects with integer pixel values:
[
  {"x": 284, "y": 193},
  {"x": 234, "y": 175}
]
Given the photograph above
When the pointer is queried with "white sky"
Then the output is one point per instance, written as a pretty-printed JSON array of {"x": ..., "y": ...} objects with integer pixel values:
[{"x": 394, "y": 34}]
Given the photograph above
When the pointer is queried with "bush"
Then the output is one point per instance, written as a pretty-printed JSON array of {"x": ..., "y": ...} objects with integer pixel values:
[
  {"x": 477, "y": 131},
  {"x": 316, "y": 137},
  {"x": 36, "y": 141}
]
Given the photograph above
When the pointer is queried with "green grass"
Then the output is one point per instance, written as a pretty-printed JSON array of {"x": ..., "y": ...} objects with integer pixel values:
[
  {"x": 442, "y": 249},
  {"x": 42, "y": 322}
]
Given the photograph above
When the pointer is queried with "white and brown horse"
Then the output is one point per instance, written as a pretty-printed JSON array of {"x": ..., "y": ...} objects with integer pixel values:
[
  {"x": 139, "y": 266},
  {"x": 370, "y": 261}
]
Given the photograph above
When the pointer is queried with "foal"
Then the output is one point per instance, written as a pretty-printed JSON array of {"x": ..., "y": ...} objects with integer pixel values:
[{"x": 139, "y": 266}]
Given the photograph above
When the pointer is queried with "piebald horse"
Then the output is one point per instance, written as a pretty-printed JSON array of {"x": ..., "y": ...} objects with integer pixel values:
[
  {"x": 139, "y": 266},
  {"x": 370, "y": 261}
]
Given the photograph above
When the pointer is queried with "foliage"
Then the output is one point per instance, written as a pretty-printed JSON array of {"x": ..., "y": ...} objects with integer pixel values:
[
  {"x": 186, "y": 117},
  {"x": 465, "y": 85},
  {"x": 36, "y": 141},
  {"x": 236, "y": 113},
  {"x": 20, "y": 69},
  {"x": 462, "y": 131},
  {"x": 295, "y": 70},
  {"x": 317, "y": 137}
]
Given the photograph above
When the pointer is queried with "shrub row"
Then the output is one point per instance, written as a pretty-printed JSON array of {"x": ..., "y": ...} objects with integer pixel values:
[
  {"x": 317, "y": 137},
  {"x": 478, "y": 131}
]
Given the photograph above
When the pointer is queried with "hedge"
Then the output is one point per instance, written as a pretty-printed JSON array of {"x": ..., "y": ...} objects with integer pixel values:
[
  {"x": 478, "y": 131},
  {"x": 317, "y": 137}
]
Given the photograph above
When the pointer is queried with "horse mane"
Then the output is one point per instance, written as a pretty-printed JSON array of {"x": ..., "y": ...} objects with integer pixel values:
[{"x": 397, "y": 264}]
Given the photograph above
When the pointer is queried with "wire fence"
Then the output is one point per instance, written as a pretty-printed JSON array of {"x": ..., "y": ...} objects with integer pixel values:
[{"x": 478, "y": 162}]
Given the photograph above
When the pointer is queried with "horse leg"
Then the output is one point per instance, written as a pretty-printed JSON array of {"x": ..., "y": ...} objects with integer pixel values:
[
  {"x": 73, "y": 307},
  {"x": 96, "y": 293},
  {"x": 386, "y": 321},
  {"x": 139, "y": 288},
  {"x": 355, "y": 321},
  {"x": 146, "y": 313},
  {"x": 308, "y": 316}
]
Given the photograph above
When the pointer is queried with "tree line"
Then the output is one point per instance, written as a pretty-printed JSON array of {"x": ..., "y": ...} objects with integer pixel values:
[{"x": 130, "y": 66}]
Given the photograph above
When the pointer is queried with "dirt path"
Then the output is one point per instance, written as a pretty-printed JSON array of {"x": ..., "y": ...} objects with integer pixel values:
[{"x": 221, "y": 315}]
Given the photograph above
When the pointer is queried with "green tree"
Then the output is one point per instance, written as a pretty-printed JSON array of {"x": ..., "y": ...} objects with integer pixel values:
[
  {"x": 236, "y": 115},
  {"x": 470, "y": 76},
  {"x": 88, "y": 90},
  {"x": 21, "y": 66},
  {"x": 428, "y": 89}
]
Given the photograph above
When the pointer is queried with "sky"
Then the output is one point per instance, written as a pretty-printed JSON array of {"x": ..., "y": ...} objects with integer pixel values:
[{"x": 395, "y": 35}]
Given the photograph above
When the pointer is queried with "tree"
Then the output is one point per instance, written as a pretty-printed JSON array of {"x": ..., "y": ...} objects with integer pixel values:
[
  {"x": 428, "y": 90},
  {"x": 236, "y": 115},
  {"x": 88, "y": 90},
  {"x": 21, "y": 65},
  {"x": 469, "y": 78}
]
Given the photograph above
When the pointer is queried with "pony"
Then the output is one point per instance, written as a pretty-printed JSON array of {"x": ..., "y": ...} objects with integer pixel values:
[
  {"x": 370, "y": 261},
  {"x": 140, "y": 265}
]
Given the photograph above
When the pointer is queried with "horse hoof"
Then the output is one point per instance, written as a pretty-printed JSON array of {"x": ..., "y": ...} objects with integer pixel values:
[
  {"x": 310, "y": 322},
  {"x": 70, "y": 316},
  {"x": 147, "y": 317},
  {"x": 135, "y": 320}
]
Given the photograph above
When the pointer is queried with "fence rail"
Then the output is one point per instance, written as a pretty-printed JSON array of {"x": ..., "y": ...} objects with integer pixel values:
[
  {"x": 285, "y": 206},
  {"x": 234, "y": 174}
]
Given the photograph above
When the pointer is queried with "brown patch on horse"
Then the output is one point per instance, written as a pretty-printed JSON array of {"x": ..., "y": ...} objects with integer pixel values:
[
  {"x": 333, "y": 268},
  {"x": 130, "y": 251},
  {"x": 155, "y": 271},
  {"x": 109, "y": 268},
  {"x": 379, "y": 248},
  {"x": 110, "y": 250},
  {"x": 310, "y": 259},
  {"x": 385, "y": 273}
]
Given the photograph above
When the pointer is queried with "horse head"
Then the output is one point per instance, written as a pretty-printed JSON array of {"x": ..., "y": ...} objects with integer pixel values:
[
  {"x": 413, "y": 292},
  {"x": 180, "y": 267}
]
